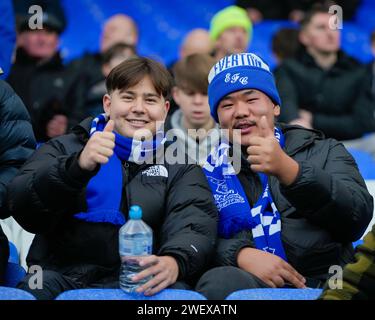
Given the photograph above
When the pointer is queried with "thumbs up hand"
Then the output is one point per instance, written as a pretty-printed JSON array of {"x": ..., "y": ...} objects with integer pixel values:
[
  {"x": 265, "y": 155},
  {"x": 98, "y": 149}
]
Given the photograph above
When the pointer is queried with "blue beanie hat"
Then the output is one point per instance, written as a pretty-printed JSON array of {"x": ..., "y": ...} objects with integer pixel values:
[{"x": 237, "y": 72}]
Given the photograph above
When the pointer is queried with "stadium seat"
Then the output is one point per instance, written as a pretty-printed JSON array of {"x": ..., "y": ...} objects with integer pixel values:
[
  {"x": 262, "y": 38},
  {"x": 357, "y": 243},
  {"x": 13, "y": 253},
  {"x": 355, "y": 41},
  {"x": 365, "y": 16},
  {"x": 13, "y": 274},
  {"x": 275, "y": 294},
  {"x": 14, "y": 294},
  {"x": 162, "y": 26},
  {"x": 118, "y": 294},
  {"x": 365, "y": 162}
]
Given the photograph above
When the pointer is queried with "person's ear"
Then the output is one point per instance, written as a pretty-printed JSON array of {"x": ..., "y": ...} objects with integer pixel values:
[
  {"x": 107, "y": 104},
  {"x": 176, "y": 94},
  {"x": 276, "y": 110},
  {"x": 167, "y": 106},
  {"x": 303, "y": 37}
]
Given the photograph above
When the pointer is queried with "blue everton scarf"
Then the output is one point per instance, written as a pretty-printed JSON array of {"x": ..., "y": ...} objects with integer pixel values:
[
  {"x": 104, "y": 190},
  {"x": 235, "y": 213}
]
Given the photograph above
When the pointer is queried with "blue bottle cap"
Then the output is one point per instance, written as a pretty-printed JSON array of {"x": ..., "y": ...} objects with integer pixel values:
[{"x": 135, "y": 212}]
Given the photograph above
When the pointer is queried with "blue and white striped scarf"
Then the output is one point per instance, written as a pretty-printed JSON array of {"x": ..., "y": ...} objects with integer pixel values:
[
  {"x": 235, "y": 212},
  {"x": 104, "y": 190}
]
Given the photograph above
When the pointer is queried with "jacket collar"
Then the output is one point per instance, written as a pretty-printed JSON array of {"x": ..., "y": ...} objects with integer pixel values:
[
  {"x": 23, "y": 58},
  {"x": 298, "y": 138},
  {"x": 343, "y": 60}
]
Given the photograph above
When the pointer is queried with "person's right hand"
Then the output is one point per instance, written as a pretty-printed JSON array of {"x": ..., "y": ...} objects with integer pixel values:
[
  {"x": 270, "y": 268},
  {"x": 98, "y": 149}
]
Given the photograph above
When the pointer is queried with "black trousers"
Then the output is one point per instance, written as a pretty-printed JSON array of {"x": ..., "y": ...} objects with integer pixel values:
[
  {"x": 55, "y": 283},
  {"x": 218, "y": 283}
]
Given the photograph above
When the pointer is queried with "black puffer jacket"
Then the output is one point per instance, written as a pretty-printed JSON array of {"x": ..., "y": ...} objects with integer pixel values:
[
  {"x": 50, "y": 189},
  {"x": 322, "y": 212},
  {"x": 17, "y": 141},
  {"x": 339, "y": 99}
]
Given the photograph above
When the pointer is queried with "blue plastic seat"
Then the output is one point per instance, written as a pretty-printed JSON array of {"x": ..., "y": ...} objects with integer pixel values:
[
  {"x": 14, "y": 274},
  {"x": 14, "y": 294},
  {"x": 262, "y": 38},
  {"x": 357, "y": 243},
  {"x": 13, "y": 253},
  {"x": 355, "y": 41},
  {"x": 365, "y": 162},
  {"x": 275, "y": 294},
  {"x": 118, "y": 294},
  {"x": 365, "y": 17}
]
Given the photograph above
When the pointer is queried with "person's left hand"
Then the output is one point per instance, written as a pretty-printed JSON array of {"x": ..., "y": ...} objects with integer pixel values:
[
  {"x": 164, "y": 272},
  {"x": 266, "y": 155}
]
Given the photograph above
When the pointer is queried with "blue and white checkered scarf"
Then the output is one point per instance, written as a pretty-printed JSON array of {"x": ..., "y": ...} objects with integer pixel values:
[{"x": 235, "y": 212}]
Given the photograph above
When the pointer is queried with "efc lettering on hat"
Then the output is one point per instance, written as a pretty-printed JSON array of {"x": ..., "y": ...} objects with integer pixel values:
[{"x": 238, "y": 72}]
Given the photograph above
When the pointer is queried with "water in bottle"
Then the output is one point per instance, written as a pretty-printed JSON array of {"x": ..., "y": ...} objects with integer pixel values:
[{"x": 135, "y": 241}]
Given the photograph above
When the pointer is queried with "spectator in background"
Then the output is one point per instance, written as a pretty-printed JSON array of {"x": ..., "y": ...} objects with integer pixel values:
[
  {"x": 17, "y": 143},
  {"x": 293, "y": 10},
  {"x": 7, "y": 37},
  {"x": 272, "y": 231},
  {"x": 113, "y": 56},
  {"x": 119, "y": 28},
  {"x": 190, "y": 94},
  {"x": 53, "y": 121},
  {"x": 196, "y": 41},
  {"x": 38, "y": 73},
  {"x": 323, "y": 88},
  {"x": 359, "y": 276},
  {"x": 285, "y": 44},
  {"x": 231, "y": 31}
]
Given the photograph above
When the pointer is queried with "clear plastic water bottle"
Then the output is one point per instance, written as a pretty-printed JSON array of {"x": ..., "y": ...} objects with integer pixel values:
[{"x": 135, "y": 241}]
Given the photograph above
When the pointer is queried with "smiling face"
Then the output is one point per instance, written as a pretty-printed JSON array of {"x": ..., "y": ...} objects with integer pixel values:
[
  {"x": 242, "y": 110},
  {"x": 137, "y": 109}
]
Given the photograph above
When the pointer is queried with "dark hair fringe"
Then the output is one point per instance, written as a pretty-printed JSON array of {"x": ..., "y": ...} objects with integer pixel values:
[
  {"x": 131, "y": 71},
  {"x": 191, "y": 73}
]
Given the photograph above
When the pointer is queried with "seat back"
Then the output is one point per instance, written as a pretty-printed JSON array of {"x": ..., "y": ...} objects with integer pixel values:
[
  {"x": 14, "y": 274},
  {"x": 118, "y": 294},
  {"x": 14, "y": 294},
  {"x": 275, "y": 294}
]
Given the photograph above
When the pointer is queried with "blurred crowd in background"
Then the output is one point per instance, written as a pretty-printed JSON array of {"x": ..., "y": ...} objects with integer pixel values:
[{"x": 321, "y": 86}]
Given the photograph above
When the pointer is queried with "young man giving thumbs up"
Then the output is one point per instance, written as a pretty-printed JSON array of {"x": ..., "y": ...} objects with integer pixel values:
[
  {"x": 76, "y": 190},
  {"x": 297, "y": 202}
]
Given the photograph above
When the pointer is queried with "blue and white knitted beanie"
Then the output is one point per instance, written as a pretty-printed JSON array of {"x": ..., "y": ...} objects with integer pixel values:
[{"x": 237, "y": 72}]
